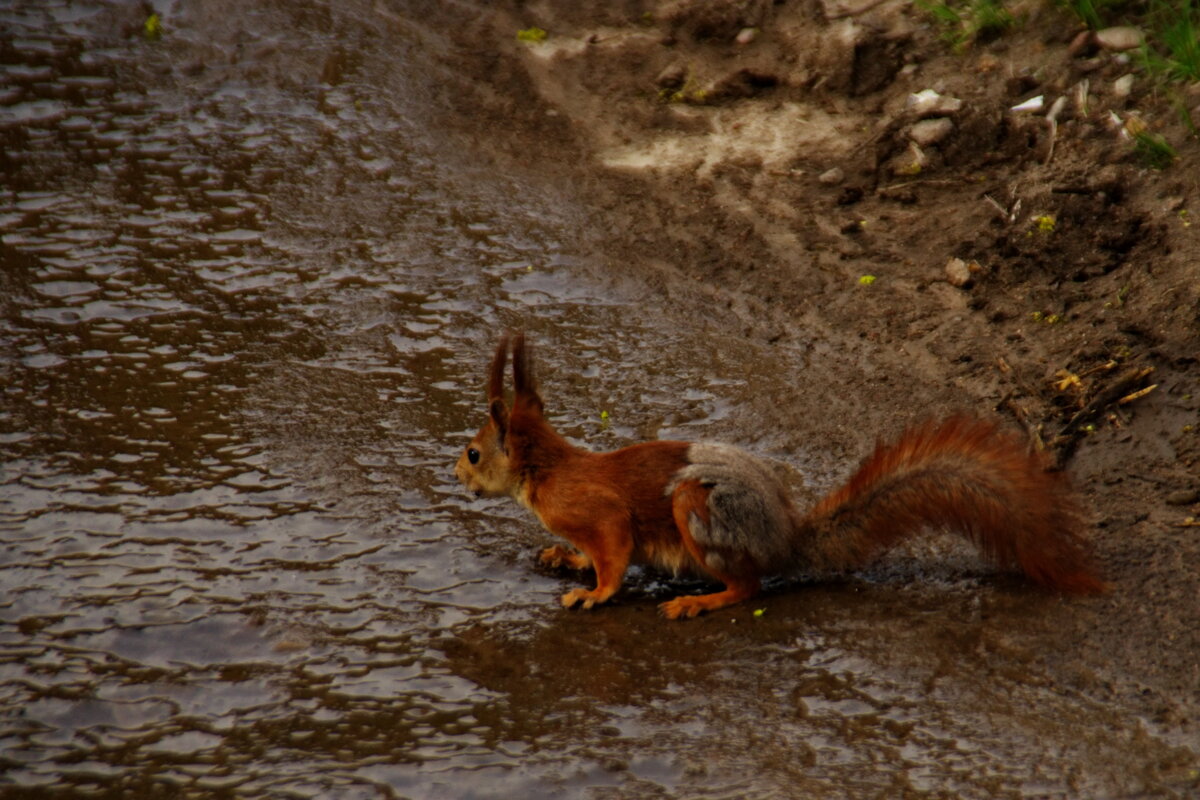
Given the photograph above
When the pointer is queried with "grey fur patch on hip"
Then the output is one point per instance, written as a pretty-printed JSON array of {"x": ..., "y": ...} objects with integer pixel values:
[{"x": 748, "y": 507}]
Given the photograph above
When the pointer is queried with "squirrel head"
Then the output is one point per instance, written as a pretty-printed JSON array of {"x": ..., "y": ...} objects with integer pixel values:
[{"x": 485, "y": 467}]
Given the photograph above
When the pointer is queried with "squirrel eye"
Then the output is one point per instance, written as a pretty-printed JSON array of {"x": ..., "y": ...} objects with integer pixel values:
[{"x": 473, "y": 456}]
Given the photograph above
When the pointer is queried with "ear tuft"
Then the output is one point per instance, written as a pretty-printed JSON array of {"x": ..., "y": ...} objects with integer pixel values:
[
  {"x": 496, "y": 376},
  {"x": 524, "y": 384}
]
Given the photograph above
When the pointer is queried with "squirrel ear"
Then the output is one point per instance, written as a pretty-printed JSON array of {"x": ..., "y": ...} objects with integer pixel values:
[{"x": 499, "y": 414}]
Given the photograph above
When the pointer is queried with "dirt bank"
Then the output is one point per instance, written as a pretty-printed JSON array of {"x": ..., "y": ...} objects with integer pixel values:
[{"x": 761, "y": 160}]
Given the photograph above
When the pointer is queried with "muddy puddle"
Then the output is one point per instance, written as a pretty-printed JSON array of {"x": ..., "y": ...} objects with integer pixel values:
[{"x": 248, "y": 296}]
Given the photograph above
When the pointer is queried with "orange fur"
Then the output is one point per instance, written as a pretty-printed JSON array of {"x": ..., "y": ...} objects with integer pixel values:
[
  {"x": 615, "y": 508},
  {"x": 965, "y": 475}
]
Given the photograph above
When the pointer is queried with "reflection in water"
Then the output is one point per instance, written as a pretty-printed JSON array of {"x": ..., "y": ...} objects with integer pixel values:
[{"x": 247, "y": 301}]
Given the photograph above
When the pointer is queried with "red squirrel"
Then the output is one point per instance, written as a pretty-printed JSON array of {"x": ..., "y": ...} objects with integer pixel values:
[{"x": 716, "y": 510}]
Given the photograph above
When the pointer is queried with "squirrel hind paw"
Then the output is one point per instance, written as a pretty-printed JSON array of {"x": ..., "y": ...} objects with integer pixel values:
[
  {"x": 680, "y": 607},
  {"x": 690, "y": 606}
]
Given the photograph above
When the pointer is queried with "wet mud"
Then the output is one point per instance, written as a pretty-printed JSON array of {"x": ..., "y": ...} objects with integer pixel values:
[{"x": 252, "y": 265}]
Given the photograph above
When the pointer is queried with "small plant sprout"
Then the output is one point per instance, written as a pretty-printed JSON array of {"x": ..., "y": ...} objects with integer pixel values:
[
  {"x": 1047, "y": 319},
  {"x": 966, "y": 22},
  {"x": 1120, "y": 301},
  {"x": 689, "y": 92},
  {"x": 1177, "y": 36},
  {"x": 532, "y": 35},
  {"x": 1153, "y": 150},
  {"x": 152, "y": 27}
]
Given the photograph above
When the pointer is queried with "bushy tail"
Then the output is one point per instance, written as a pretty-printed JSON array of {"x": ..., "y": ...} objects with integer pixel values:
[{"x": 965, "y": 475}]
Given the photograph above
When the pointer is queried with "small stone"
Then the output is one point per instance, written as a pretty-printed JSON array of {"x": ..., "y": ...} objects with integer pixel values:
[
  {"x": 910, "y": 162},
  {"x": 1120, "y": 38},
  {"x": 931, "y": 131},
  {"x": 746, "y": 36},
  {"x": 832, "y": 177},
  {"x": 961, "y": 274},
  {"x": 1123, "y": 86},
  {"x": 919, "y": 101},
  {"x": 928, "y": 103},
  {"x": 1184, "y": 497},
  {"x": 672, "y": 77},
  {"x": 1030, "y": 106}
]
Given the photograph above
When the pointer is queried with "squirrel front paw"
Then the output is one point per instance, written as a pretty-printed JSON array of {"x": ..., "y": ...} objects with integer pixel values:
[
  {"x": 584, "y": 598},
  {"x": 559, "y": 556}
]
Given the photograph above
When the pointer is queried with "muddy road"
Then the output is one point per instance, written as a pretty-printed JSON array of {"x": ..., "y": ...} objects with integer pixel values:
[{"x": 252, "y": 266}]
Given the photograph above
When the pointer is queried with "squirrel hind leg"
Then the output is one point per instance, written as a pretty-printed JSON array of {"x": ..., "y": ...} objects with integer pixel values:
[
  {"x": 688, "y": 606},
  {"x": 690, "y": 507}
]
